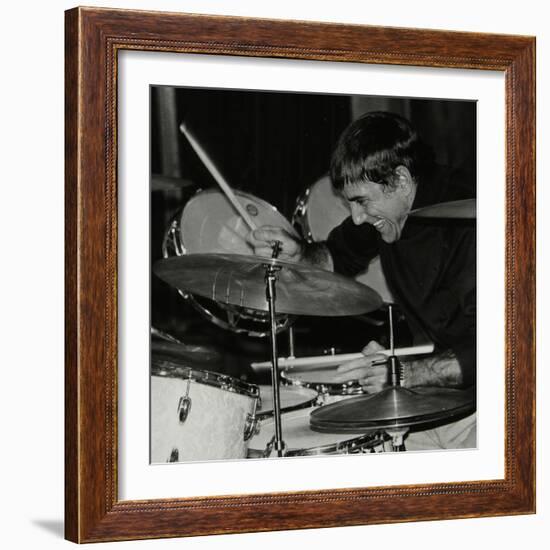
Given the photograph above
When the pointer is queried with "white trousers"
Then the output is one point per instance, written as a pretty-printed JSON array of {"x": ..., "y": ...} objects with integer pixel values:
[{"x": 461, "y": 434}]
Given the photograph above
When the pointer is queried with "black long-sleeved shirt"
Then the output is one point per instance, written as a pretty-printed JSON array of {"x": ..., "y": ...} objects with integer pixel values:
[{"x": 430, "y": 270}]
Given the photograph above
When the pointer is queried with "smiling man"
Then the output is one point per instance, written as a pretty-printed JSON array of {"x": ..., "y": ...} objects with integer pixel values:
[{"x": 384, "y": 170}]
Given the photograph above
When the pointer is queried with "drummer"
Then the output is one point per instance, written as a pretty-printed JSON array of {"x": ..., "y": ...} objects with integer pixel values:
[{"x": 384, "y": 170}]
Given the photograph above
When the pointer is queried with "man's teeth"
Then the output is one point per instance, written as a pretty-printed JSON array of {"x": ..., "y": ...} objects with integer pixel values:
[{"x": 379, "y": 223}]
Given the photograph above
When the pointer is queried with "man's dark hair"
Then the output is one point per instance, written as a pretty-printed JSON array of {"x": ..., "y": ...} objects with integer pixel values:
[{"x": 373, "y": 146}]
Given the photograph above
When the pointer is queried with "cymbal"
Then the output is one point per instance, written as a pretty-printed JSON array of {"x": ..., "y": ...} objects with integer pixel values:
[
  {"x": 191, "y": 355},
  {"x": 454, "y": 209},
  {"x": 239, "y": 280},
  {"x": 393, "y": 407}
]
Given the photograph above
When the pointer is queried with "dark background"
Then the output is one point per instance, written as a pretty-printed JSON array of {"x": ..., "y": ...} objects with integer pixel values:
[{"x": 273, "y": 145}]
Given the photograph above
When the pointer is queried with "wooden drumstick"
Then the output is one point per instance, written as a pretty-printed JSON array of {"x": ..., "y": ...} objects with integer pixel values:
[
  {"x": 331, "y": 360},
  {"x": 201, "y": 153}
]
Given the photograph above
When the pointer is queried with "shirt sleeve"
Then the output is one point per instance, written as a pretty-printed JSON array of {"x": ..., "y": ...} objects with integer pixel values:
[
  {"x": 352, "y": 247},
  {"x": 463, "y": 328},
  {"x": 465, "y": 348}
]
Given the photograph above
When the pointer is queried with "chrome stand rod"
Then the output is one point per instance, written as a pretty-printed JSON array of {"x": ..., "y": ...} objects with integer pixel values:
[
  {"x": 394, "y": 367},
  {"x": 270, "y": 279},
  {"x": 291, "y": 342}
]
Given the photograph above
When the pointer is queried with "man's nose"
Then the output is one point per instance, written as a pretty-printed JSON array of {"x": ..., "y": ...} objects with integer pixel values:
[{"x": 358, "y": 214}]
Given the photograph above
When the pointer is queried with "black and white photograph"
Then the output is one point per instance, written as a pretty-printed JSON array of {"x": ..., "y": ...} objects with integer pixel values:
[
  {"x": 313, "y": 274},
  {"x": 274, "y": 274}
]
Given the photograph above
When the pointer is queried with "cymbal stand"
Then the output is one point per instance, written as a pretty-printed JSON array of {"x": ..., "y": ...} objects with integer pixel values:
[
  {"x": 270, "y": 280},
  {"x": 394, "y": 377}
]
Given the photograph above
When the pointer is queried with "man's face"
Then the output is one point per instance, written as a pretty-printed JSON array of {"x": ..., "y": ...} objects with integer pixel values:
[{"x": 384, "y": 207}]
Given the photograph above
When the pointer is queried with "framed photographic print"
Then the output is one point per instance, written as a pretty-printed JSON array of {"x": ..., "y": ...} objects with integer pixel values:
[{"x": 299, "y": 275}]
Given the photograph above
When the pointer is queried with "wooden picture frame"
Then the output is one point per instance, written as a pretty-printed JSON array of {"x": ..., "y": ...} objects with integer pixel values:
[{"x": 93, "y": 511}]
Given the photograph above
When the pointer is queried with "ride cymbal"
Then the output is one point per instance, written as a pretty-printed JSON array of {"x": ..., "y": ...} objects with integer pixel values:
[
  {"x": 239, "y": 280},
  {"x": 465, "y": 209}
]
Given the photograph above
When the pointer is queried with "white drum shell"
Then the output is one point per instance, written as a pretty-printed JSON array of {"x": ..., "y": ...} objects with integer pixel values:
[{"x": 213, "y": 430}]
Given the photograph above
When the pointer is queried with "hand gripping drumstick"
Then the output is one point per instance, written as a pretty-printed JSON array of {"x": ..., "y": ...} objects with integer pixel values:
[
  {"x": 201, "y": 153},
  {"x": 332, "y": 360}
]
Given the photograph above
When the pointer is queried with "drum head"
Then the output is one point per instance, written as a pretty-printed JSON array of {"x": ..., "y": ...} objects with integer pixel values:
[
  {"x": 325, "y": 210},
  {"x": 292, "y": 398},
  {"x": 209, "y": 222}
]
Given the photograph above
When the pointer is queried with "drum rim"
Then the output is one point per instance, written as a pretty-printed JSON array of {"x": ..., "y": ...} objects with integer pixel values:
[
  {"x": 343, "y": 446},
  {"x": 351, "y": 387},
  {"x": 163, "y": 368}
]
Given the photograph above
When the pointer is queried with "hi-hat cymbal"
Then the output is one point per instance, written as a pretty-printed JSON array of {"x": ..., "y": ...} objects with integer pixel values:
[
  {"x": 465, "y": 209},
  {"x": 239, "y": 280},
  {"x": 393, "y": 407}
]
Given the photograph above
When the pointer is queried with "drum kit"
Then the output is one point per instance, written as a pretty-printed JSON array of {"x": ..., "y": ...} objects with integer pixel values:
[{"x": 197, "y": 414}]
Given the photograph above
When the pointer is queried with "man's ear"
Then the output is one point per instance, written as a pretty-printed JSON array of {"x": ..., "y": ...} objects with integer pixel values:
[{"x": 404, "y": 180}]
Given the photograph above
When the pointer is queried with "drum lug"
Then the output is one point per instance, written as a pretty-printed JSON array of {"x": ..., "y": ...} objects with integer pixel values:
[
  {"x": 184, "y": 407},
  {"x": 184, "y": 404},
  {"x": 251, "y": 426},
  {"x": 174, "y": 455},
  {"x": 321, "y": 399},
  {"x": 270, "y": 446}
]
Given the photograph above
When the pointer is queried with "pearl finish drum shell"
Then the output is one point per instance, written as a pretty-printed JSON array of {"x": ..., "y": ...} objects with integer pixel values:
[{"x": 214, "y": 428}]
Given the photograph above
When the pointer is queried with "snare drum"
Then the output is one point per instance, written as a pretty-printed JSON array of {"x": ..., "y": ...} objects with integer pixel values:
[
  {"x": 321, "y": 379},
  {"x": 208, "y": 223},
  {"x": 318, "y": 211},
  {"x": 292, "y": 399},
  {"x": 199, "y": 415},
  {"x": 300, "y": 440}
]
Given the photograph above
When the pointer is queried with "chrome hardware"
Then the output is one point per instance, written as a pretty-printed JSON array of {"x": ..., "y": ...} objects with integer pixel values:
[
  {"x": 251, "y": 426},
  {"x": 272, "y": 445},
  {"x": 321, "y": 399},
  {"x": 184, "y": 405},
  {"x": 174, "y": 455}
]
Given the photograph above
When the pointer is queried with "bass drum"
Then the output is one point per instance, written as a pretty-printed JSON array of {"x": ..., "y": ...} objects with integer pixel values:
[
  {"x": 208, "y": 223},
  {"x": 318, "y": 211}
]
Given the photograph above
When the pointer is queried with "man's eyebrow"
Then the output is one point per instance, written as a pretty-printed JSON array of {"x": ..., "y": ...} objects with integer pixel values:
[{"x": 353, "y": 198}]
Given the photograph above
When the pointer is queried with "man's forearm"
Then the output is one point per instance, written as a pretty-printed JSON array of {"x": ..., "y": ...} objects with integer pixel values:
[
  {"x": 318, "y": 254},
  {"x": 439, "y": 370}
]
